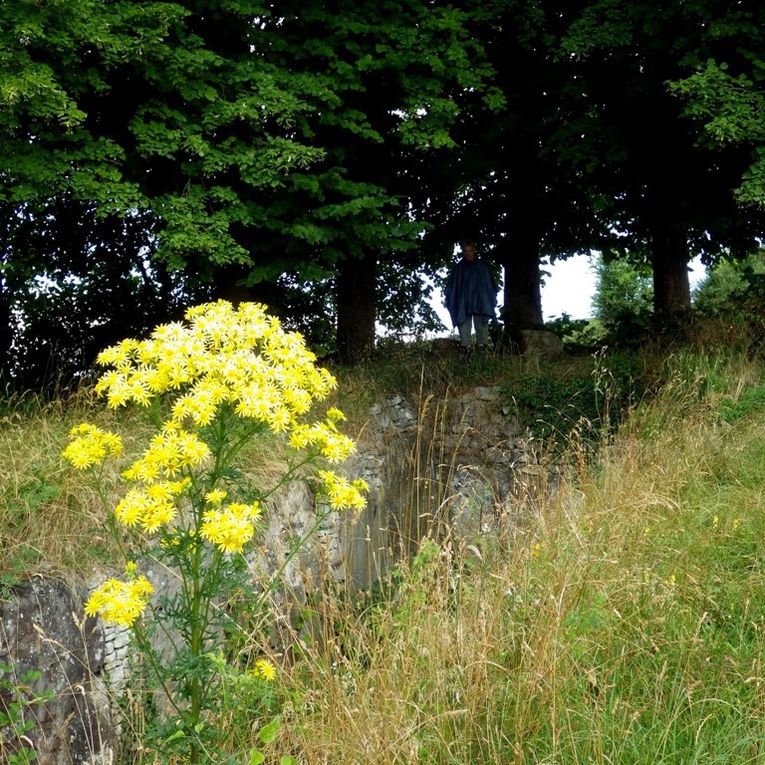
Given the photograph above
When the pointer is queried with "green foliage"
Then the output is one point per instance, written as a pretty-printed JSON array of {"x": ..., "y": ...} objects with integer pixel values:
[
  {"x": 732, "y": 288},
  {"x": 249, "y": 152},
  {"x": 725, "y": 94},
  {"x": 73, "y": 281},
  {"x": 553, "y": 407},
  {"x": 268, "y": 147},
  {"x": 16, "y": 565},
  {"x": 35, "y": 491},
  {"x": 665, "y": 192},
  {"x": 750, "y": 403},
  {"x": 623, "y": 300},
  {"x": 19, "y": 704},
  {"x": 578, "y": 334},
  {"x": 721, "y": 291}
]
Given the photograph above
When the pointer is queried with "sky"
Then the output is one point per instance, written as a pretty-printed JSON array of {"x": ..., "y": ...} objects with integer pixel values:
[
  {"x": 569, "y": 289},
  {"x": 571, "y": 285}
]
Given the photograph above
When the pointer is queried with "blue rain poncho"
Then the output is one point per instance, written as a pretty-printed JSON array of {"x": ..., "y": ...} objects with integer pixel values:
[{"x": 470, "y": 290}]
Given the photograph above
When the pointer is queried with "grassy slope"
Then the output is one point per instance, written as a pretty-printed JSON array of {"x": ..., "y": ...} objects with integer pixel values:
[{"x": 624, "y": 624}]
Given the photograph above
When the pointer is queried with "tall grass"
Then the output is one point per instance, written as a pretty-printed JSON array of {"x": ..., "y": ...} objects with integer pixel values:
[
  {"x": 48, "y": 514},
  {"x": 625, "y": 624},
  {"x": 51, "y": 518}
]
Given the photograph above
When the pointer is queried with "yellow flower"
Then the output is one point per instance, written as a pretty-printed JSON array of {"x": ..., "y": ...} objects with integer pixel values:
[
  {"x": 337, "y": 448},
  {"x": 90, "y": 446},
  {"x": 150, "y": 507},
  {"x": 255, "y": 511},
  {"x": 236, "y": 355},
  {"x": 278, "y": 419},
  {"x": 334, "y": 414},
  {"x": 170, "y": 451},
  {"x": 230, "y": 528},
  {"x": 239, "y": 358},
  {"x": 341, "y": 493},
  {"x": 265, "y": 670},
  {"x": 157, "y": 514},
  {"x": 216, "y": 496},
  {"x": 300, "y": 437},
  {"x": 119, "y": 602}
]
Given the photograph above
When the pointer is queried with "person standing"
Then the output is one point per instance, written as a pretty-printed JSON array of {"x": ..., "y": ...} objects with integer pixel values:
[{"x": 471, "y": 296}]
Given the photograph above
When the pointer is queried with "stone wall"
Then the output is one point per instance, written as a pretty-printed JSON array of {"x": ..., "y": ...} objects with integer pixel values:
[{"x": 454, "y": 465}]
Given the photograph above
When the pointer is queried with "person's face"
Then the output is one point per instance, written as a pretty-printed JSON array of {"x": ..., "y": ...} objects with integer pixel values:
[{"x": 468, "y": 251}]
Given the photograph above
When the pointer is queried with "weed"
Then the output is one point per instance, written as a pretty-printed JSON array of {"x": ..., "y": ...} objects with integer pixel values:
[
  {"x": 750, "y": 402},
  {"x": 554, "y": 406}
]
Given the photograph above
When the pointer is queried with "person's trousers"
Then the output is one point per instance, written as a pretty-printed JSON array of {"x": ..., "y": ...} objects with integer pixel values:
[{"x": 481, "y": 330}]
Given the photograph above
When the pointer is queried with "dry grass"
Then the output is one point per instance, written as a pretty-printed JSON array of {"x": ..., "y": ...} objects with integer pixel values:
[
  {"x": 48, "y": 513},
  {"x": 619, "y": 627}
]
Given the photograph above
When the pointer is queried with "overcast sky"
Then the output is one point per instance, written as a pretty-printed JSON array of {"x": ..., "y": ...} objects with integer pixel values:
[
  {"x": 569, "y": 288},
  {"x": 571, "y": 285}
]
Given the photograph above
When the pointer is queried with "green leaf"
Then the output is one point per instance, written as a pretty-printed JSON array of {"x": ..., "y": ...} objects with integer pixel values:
[
  {"x": 287, "y": 760},
  {"x": 268, "y": 733},
  {"x": 256, "y": 757}
]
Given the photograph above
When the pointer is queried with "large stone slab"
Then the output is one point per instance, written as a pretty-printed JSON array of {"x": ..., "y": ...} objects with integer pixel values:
[
  {"x": 541, "y": 344},
  {"x": 42, "y": 629}
]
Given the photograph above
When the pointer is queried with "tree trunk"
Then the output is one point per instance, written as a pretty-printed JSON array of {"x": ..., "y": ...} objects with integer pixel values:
[
  {"x": 523, "y": 283},
  {"x": 356, "y": 308},
  {"x": 671, "y": 289}
]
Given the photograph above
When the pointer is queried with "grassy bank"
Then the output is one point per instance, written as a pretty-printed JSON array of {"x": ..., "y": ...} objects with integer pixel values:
[
  {"x": 621, "y": 622},
  {"x": 50, "y": 515}
]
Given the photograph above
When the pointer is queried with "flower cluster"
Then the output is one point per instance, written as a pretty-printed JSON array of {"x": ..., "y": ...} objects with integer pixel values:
[
  {"x": 343, "y": 493},
  {"x": 230, "y": 527},
  {"x": 150, "y": 507},
  {"x": 334, "y": 446},
  {"x": 169, "y": 452},
  {"x": 222, "y": 362},
  {"x": 120, "y": 602},
  {"x": 224, "y": 355},
  {"x": 91, "y": 446}
]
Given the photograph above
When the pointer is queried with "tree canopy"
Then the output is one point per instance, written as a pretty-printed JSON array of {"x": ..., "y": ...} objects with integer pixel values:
[
  {"x": 665, "y": 193},
  {"x": 259, "y": 144},
  {"x": 321, "y": 156}
]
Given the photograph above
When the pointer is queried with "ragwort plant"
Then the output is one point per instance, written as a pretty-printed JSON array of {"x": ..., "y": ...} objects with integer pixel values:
[{"x": 225, "y": 376}]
